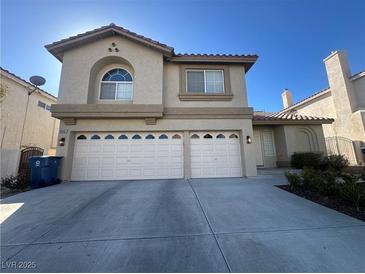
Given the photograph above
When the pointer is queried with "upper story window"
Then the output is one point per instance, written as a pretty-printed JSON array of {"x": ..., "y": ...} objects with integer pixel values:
[
  {"x": 204, "y": 81},
  {"x": 44, "y": 106},
  {"x": 116, "y": 84}
]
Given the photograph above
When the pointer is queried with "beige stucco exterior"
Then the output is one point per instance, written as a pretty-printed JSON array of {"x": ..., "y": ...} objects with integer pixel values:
[
  {"x": 160, "y": 101},
  {"x": 38, "y": 128},
  {"x": 288, "y": 139},
  {"x": 344, "y": 101}
]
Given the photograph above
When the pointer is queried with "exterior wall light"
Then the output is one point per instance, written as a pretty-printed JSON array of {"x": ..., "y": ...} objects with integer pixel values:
[
  {"x": 61, "y": 142},
  {"x": 248, "y": 139}
]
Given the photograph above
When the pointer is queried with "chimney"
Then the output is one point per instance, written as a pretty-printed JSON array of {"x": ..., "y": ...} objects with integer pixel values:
[
  {"x": 338, "y": 74},
  {"x": 287, "y": 98}
]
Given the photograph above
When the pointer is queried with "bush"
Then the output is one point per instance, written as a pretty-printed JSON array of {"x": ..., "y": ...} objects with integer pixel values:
[
  {"x": 15, "y": 182},
  {"x": 311, "y": 179},
  {"x": 295, "y": 180},
  {"x": 327, "y": 183},
  {"x": 335, "y": 162},
  {"x": 306, "y": 159},
  {"x": 323, "y": 181},
  {"x": 353, "y": 192}
]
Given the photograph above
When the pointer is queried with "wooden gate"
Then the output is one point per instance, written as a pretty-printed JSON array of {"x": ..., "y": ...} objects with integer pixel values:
[{"x": 24, "y": 168}]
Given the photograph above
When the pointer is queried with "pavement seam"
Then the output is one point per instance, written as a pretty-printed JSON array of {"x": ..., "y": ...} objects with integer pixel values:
[
  {"x": 110, "y": 239},
  {"x": 289, "y": 229},
  {"x": 210, "y": 226},
  {"x": 69, "y": 214},
  {"x": 178, "y": 236}
]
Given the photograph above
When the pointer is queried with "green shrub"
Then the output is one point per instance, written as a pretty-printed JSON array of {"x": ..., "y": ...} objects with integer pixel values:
[
  {"x": 311, "y": 179},
  {"x": 353, "y": 192},
  {"x": 335, "y": 162},
  {"x": 15, "y": 182},
  {"x": 323, "y": 181},
  {"x": 306, "y": 159},
  {"x": 327, "y": 183},
  {"x": 295, "y": 180}
]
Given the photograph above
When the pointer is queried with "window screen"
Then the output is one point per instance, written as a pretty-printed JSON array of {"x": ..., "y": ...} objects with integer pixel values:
[
  {"x": 214, "y": 81},
  {"x": 195, "y": 81},
  {"x": 107, "y": 91}
]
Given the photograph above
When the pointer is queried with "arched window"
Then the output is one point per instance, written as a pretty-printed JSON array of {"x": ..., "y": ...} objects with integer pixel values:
[
  {"x": 109, "y": 137},
  {"x": 233, "y": 136},
  {"x": 163, "y": 136},
  {"x": 136, "y": 137},
  {"x": 116, "y": 84},
  {"x": 95, "y": 137},
  {"x": 123, "y": 137},
  {"x": 221, "y": 136},
  {"x": 208, "y": 136},
  {"x": 150, "y": 136},
  {"x": 195, "y": 136},
  {"x": 81, "y": 137},
  {"x": 176, "y": 136}
]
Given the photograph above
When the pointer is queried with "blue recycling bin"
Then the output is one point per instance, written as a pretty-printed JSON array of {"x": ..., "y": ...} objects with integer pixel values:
[{"x": 44, "y": 170}]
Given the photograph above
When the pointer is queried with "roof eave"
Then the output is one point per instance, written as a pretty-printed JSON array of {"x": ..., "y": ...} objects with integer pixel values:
[
  {"x": 247, "y": 61},
  {"x": 57, "y": 48},
  {"x": 292, "y": 122}
]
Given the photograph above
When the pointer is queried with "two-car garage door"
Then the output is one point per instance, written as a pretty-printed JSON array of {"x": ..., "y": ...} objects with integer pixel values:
[{"x": 118, "y": 156}]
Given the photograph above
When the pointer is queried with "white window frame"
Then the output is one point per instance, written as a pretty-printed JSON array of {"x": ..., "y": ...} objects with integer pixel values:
[
  {"x": 116, "y": 86},
  {"x": 272, "y": 143},
  {"x": 205, "y": 80}
]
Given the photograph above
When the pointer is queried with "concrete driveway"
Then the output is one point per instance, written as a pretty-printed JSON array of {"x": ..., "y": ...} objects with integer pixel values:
[{"x": 208, "y": 225}]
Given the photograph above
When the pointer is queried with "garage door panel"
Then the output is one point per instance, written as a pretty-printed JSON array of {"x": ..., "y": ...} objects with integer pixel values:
[
  {"x": 92, "y": 174},
  {"x": 107, "y": 148},
  {"x": 149, "y": 172},
  {"x": 121, "y": 173},
  {"x": 120, "y": 162},
  {"x": 123, "y": 148},
  {"x": 81, "y": 148},
  {"x": 107, "y": 173},
  {"x": 97, "y": 147}
]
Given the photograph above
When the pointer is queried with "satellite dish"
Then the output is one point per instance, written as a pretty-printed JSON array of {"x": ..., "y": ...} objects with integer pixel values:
[{"x": 37, "y": 80}]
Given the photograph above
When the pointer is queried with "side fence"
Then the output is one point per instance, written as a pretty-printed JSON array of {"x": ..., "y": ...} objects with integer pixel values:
[{"x": 340, "y": 145}]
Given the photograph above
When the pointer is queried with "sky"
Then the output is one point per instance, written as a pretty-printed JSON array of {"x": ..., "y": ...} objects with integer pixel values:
[{"x": 291, "y": 37}]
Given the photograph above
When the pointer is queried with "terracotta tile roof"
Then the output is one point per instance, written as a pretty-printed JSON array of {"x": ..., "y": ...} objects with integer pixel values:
[
  {"x": 57, "y": 48},
  {"x": 111, "y": 26},
  {"x": 246, "y": 60},
  {"x": 214, "y": 55},
  {"x": 291, "y": 117},
  {"x": 26, "y": 82}
]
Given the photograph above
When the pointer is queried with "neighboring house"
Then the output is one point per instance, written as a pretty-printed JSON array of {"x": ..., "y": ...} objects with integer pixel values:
[
  {"x": 27, "y": 127},
  {"x": 344, "y": 101},
  {"x": 130, "y": 108}
]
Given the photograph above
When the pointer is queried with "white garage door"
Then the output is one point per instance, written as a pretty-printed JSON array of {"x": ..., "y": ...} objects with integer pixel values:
[
  {"x": 119, "y": 156},
  {"x": 215, "y": 154}
]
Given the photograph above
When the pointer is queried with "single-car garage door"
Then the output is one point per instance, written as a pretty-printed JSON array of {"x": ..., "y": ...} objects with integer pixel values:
[
  {"x": 119, "y": 156},
  {"x": 215, "y": 154}
]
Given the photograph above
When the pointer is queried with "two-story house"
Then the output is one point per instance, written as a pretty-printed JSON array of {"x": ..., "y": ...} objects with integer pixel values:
[
  {"x": 27, "y": 127},
  {"x": 130, "y": 108}
]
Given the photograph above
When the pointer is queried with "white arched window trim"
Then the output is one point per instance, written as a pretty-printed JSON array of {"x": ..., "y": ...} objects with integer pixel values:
[{"x": 116, "y": 85}]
